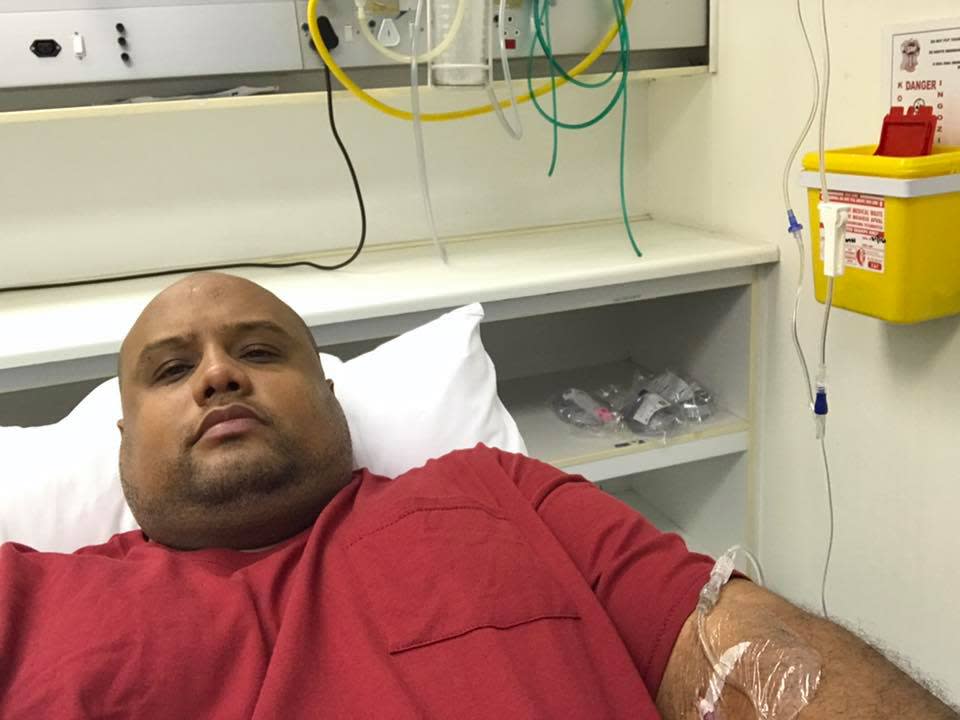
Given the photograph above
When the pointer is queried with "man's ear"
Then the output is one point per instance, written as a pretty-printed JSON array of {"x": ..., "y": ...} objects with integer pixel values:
[
  {"x": 329, "y": 383},
  {"x": 120, "y": 426}
]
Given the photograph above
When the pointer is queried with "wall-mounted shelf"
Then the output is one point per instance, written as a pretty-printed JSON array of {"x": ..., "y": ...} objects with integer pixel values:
[{"x": 55, "y": 336}]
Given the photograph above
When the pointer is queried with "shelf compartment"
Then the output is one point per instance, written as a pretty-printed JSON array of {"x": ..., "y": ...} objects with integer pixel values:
[{"x": 600, "y": 458}]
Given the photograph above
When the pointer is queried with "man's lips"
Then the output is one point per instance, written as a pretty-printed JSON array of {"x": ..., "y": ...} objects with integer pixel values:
[{"x": 230, "y": 420}]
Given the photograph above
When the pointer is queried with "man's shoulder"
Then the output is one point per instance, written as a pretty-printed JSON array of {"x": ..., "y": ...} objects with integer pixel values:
[
  {"x": 478, "y": 462},
  {"x": 481, "y": 471},
  {"x": 479, "y": 453},
  {"x": 117, "y": 546}
]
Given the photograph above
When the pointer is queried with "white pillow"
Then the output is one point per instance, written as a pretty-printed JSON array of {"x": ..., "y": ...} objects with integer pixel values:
[
  {"x": 418, "y": 396},
  {"x": 423, "y": 394}
]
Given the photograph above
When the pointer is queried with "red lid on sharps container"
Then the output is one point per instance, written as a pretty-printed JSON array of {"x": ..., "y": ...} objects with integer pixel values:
[{"x": 908, "y": 132}]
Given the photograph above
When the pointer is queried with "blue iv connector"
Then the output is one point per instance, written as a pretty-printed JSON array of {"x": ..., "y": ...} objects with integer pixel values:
[
  {"x": 795, "y": 226},
  {"x": 820, "y": 403}
]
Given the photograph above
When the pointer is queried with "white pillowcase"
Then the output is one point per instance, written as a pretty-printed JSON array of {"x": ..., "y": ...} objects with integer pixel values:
[
  {"x": 59, "y": 487},
  {"x": 416, "y": 397},
  {"x": 423, "y": 394}
]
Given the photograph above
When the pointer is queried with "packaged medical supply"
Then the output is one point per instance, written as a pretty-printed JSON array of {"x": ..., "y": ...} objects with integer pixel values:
[
  {"x": 652, "y": 405},
  {"x": 584, "y": 411}
]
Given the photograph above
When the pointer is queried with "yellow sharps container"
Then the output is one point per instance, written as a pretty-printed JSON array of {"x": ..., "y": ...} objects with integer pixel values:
[{"x": 902, "y": 249}]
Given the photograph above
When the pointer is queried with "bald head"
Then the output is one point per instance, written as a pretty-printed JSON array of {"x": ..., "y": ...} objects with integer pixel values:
[
  {"x": 207, "y": 287},
  {"x": 231, "y": 435}
]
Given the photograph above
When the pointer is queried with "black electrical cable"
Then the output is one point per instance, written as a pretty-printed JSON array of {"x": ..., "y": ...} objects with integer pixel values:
[{"x": 297, "y": 263}]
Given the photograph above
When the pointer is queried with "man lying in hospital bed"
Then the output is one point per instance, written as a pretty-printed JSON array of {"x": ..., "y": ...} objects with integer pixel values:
[{"x": 269, "y": 579}]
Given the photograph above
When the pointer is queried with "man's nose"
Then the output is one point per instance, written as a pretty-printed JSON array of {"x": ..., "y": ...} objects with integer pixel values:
[{"x": 220, "y": 375}]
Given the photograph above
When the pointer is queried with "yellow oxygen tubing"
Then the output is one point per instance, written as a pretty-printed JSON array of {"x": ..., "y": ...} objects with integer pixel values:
[{"x": 366, "y": 97}]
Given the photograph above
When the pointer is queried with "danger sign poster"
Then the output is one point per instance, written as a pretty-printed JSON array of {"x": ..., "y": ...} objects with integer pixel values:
[{"x": 924, "y": 62}]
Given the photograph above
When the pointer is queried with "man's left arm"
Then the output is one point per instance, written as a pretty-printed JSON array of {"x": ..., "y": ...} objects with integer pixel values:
[
  {"x": 856, "y": 681},
  {"x": 647, "y": 582}
]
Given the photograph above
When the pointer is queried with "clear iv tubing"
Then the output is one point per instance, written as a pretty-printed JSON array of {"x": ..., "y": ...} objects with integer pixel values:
[
  {"x": 795, "y": 228},
  {"x": 825, "y": 196},
  {"x": 515, "y": 132},
  {"x": 418, "y": 137},
  {"x": 365, "y": 97},
  {"x": 710, "y": 594},
  {"x": 401, "y": 58},
  {"x": 829, "y": 299},
  {"x": 819, "y": 102}
]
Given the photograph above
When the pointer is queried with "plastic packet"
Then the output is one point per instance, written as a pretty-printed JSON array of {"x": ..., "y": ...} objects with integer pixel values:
[
  {"x": 582, "y": 410},
  {"x": 649, "y": 413},
  {"x": 702, "y": 406},
  {"x": 652, "y": 405},
  {"x": 652, "y": 409},
  {"x": 696, "y": 403},
  {"x": 670, "y": 386},
  {"x": 615, "y": 395}
]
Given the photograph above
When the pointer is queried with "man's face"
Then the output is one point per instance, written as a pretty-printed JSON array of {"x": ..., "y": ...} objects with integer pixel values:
[{"x": 231, "y": 436}]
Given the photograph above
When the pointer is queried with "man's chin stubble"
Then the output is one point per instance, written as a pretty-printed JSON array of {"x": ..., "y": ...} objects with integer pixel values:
[{"x": 236, "y": 479}]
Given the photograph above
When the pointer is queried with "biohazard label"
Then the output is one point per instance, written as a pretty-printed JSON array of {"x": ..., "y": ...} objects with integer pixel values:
[{"x": 865, "y": 244}]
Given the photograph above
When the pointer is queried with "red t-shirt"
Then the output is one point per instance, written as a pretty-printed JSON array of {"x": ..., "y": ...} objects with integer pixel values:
[{"x": 483, "y": 585}]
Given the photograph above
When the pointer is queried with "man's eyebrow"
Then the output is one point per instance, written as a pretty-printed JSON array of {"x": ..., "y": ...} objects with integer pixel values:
[
  {"x": 178, "y": 341},
  {"x": 172, "y": 341},
  {"x": 251, "y": 325},
  {"x": 278, "y": 329}
]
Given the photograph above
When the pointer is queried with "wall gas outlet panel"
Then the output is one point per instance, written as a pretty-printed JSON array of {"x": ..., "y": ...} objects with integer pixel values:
[
  {"x": 576, "y": 28},
  {"x": 128, "y": 44}
]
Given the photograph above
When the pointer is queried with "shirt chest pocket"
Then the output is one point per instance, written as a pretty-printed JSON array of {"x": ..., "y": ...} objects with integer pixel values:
[{"x": 439, "y": 569}]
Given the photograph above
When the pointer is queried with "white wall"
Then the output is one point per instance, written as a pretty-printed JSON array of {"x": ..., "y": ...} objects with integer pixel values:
[
  {"x": 85, "y": 193},
  {"x": 717, "y": 151}
]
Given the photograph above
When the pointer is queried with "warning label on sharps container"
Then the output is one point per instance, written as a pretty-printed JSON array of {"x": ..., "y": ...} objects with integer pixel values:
[
  {"x": 924, "y": 62},
  {"x": 865, "y": 243}
]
